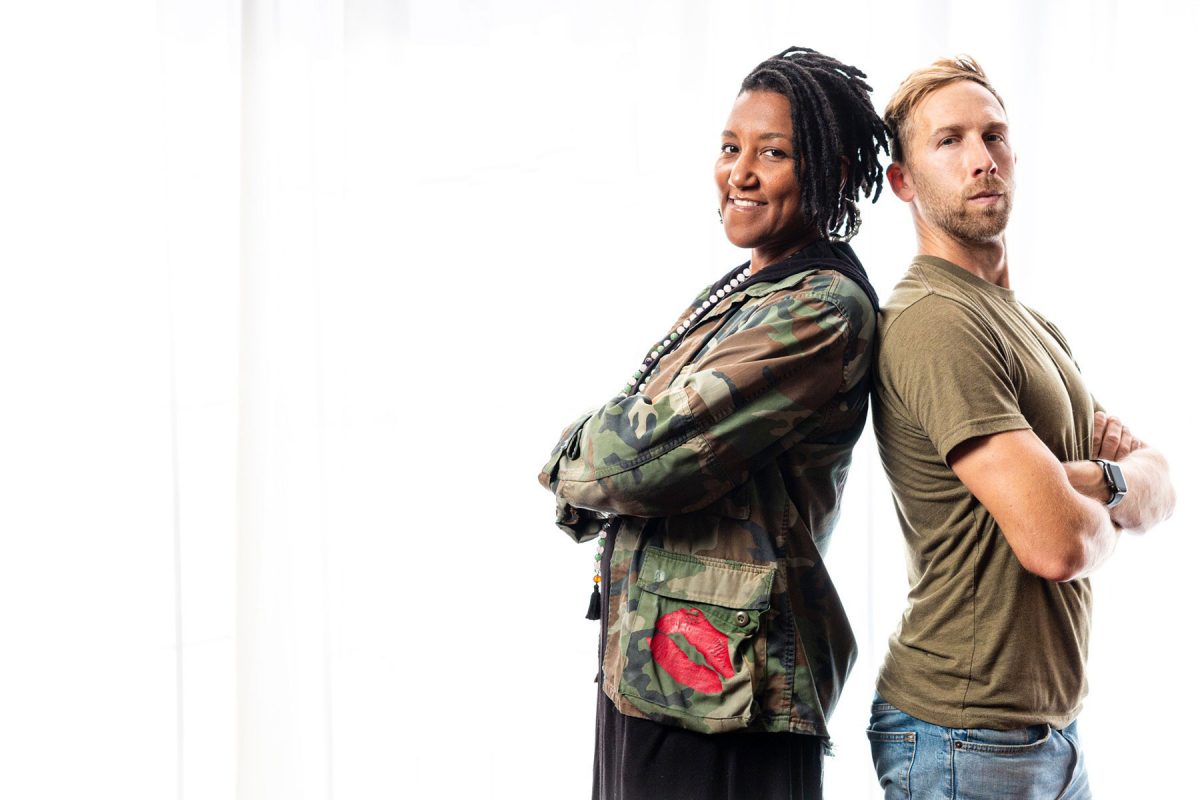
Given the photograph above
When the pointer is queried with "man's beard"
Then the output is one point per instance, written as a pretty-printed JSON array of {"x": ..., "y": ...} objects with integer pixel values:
[{"x": 957, "y": 217}]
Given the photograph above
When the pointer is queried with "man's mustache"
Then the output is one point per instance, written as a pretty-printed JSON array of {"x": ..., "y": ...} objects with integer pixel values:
[{"x": 989, "y": 184}]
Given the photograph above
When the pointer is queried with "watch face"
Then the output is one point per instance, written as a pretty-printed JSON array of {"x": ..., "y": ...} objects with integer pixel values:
[{"x": 1117, "y": 477}]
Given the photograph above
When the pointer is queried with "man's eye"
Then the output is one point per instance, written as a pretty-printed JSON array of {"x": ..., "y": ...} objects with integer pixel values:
[
  {"x": 948, "y": 140},
  {"x": 994, "y": 137}
]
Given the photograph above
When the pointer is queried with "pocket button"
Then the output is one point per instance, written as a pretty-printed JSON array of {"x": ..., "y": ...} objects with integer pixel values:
[{"x": 742, "y": 619}]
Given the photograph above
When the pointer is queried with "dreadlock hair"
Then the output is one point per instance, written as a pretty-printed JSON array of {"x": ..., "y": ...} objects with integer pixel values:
[{"x": 832, "y": 119}]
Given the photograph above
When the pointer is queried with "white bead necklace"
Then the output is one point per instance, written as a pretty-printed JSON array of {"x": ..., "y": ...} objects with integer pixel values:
[{"x": 638, "y": 384}]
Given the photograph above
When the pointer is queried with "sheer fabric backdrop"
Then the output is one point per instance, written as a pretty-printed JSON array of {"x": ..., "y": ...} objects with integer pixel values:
[{"x": 296, "y": 296}]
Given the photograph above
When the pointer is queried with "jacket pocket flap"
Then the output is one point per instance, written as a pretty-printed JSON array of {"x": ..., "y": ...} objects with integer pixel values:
[{"x": 699, "y": 579}]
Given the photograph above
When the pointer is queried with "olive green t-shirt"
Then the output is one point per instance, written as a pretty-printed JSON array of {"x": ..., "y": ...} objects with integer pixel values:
[{"x": 984, "y": 643}]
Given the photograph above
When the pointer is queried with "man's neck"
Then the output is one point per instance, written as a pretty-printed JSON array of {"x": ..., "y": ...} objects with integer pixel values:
[{"x": 985, "y": 260}]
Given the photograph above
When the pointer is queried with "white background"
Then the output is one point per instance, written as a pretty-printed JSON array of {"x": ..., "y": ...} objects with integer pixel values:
[{"x": 295, "y": 298}]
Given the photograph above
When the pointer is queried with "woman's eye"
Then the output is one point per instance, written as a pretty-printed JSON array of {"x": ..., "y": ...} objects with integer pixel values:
[
  {"x": 774, "y": 152},
  {"x": 729, "y": 149}
]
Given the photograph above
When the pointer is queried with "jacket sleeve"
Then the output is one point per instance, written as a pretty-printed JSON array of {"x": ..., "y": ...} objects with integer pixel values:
[{"x": 743, "y": 402}]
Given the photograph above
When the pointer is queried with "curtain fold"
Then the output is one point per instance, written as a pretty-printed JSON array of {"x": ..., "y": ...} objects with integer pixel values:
[{"x": 291, "y": 85}]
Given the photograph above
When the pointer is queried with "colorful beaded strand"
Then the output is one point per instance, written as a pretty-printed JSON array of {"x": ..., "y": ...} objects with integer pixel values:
[{"x": 638, "y": 384}]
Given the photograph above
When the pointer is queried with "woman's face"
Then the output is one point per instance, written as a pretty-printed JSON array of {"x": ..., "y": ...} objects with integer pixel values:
[{"x": 757, "y": 189}]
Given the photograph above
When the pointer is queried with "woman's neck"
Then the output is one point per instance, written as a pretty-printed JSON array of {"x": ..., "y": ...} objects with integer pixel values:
[{"x": 767, "y": 255}]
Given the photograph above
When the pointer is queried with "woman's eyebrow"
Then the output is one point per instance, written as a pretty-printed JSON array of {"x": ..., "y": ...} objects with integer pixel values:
[{"x": 761, "y": 136}]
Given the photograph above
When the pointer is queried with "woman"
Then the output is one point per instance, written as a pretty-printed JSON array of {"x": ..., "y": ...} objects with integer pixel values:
[{"x": 712, "y": 481}]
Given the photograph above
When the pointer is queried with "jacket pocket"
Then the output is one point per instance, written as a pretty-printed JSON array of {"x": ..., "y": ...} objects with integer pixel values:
[{"x": 693, "y": 646}]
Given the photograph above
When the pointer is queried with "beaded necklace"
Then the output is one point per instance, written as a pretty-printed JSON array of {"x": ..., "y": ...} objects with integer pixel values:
[{"x": 638, "y": 384}]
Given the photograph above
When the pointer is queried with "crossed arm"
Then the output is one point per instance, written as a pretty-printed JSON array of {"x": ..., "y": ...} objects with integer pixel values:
[
  {"x": 744, "y": 401},
  {"x": 1053, "y": 514}
]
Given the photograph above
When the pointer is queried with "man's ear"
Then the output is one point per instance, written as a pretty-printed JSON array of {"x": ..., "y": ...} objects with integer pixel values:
[{"x": 898, "y": 179}]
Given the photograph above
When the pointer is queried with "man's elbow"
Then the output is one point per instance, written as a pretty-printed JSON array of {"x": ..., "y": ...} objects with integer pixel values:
[
  {"x": 1065, "y": 553},
  {"x": 1059, "y": 567}
]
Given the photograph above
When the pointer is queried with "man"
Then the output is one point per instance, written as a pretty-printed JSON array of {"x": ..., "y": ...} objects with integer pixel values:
[{"x": 1010, "y": 483}]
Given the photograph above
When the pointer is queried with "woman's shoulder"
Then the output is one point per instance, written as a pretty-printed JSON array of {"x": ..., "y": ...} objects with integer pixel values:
[{"x": 822, "y": 289}]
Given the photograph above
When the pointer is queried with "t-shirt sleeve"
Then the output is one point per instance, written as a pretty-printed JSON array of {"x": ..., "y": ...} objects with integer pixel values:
[{"x": 949, "y": 372}]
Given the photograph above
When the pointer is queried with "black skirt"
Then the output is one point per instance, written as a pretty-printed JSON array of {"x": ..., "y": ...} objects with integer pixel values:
[{"x": 636, "y": 759}]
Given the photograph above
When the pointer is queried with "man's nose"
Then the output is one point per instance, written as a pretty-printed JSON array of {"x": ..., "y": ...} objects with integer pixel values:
[{"x": 981, "y": 159}]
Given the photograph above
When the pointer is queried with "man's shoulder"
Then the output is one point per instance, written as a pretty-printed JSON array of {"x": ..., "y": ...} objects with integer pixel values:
[
  {"x": 919, "y": 301},
  {"x": 924, "y": 323}
]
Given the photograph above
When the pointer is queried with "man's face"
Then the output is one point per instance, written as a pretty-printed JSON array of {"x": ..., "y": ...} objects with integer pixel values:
[{"x": 958, "y": 171}]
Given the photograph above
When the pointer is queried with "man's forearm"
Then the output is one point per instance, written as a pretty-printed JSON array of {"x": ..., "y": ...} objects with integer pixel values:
[
  {"x": 1087, "y": 478},
  {"x": 1150, "y": 498},
  {"x": 1054, "y": 531},
  {"x": 1095, "y": 534}
]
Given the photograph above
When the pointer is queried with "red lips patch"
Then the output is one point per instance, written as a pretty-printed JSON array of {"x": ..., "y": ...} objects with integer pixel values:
[{"x": 713, "y": 645}]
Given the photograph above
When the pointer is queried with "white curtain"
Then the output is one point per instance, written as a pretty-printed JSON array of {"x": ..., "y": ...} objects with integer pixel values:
[{"x": 295, "y": 297}]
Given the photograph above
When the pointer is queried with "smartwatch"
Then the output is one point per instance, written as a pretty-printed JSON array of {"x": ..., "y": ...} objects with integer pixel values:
[{"x": 1115, "y": 480}]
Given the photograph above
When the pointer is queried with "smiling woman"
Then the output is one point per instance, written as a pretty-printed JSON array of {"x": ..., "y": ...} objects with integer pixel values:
[
  {"x": 756, "y": 179},
  {"x": 712, "y": 482}
]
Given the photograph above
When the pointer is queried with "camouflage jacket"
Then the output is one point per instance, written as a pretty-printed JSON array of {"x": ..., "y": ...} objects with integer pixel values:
[{"x": 726, "y": 472}]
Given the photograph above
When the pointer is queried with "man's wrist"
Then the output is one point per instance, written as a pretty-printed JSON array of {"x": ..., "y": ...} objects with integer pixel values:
[
  {"x": 1114, "y": 480},
  {"x": 1087, "y": 478}
]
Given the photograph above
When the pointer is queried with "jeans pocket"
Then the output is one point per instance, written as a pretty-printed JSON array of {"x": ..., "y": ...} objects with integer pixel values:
[
  {"x": 893, "y": 752},
  {"x": 1013, "y": 743},
  {"x": 1019, "y": 764}
]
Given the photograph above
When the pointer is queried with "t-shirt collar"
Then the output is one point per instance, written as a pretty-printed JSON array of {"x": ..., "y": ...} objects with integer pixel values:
[{"x": 955, "y": 272}]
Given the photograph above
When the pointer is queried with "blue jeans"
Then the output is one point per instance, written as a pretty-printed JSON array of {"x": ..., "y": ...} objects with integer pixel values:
[{"x": 917, "y": 760}]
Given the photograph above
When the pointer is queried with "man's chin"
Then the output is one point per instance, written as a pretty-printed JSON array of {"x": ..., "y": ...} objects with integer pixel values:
[{"x": 982, "y": 228}]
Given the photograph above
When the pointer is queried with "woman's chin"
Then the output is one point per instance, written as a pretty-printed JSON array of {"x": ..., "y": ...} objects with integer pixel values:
[{"x": 742, "y": 239}]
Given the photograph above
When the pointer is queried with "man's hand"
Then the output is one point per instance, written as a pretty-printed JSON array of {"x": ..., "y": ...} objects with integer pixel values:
[
  {"x": 1150, "y": 499},
  {"x": 1111, "y": 440}
]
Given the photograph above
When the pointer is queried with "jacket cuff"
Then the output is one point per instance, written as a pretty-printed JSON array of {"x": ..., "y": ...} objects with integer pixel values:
[{"x": 580, "y": 524}]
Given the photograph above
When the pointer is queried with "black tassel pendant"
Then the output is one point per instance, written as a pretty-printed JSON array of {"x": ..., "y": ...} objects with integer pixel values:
[{"x": 594, "y": 603}]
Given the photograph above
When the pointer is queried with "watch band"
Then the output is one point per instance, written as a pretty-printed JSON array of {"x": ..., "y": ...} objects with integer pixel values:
[{"x": 1115, "y": 478}]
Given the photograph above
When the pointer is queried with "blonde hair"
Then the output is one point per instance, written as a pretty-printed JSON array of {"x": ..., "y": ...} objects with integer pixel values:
[{"x": 919, "y": 85}]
